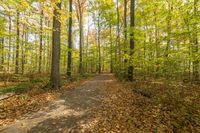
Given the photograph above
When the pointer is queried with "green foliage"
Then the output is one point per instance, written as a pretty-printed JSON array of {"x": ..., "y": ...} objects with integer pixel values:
[{"x": 21, "y": 87}]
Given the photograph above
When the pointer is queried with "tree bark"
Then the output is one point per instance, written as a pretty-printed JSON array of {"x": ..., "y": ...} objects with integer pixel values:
[
  {"x": 80, "y": 46},
  {"x": 41, "y": 41},
  {"x": 111, "y": 50},
  {"x": 118, "y": 36},
  {"x": 55, "y": 68},
  {"x": 69, "y": 64},
  {"x": 87, "y": 47},
  {"x": 125, "y": 38},
  {"x": 2, "y": 53},
  {"x": 22, "y": 48},
  {"x": 9, "y": 42},
  {"x": 48, "y": 49},
  {"x": 17, "y": 47},
  {"x": 132, "y": 42},
  {"x": 99, "y": 43},
  {"x": 196, "y": 45},
  {"x": 156, "y": 45}
]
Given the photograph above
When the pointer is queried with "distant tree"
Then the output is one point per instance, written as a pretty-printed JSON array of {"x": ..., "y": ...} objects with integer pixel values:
[
  {"x": 9, "y": 47},
  {"x": 17, "y": 45},
  {"x": 80, "y": 8}
]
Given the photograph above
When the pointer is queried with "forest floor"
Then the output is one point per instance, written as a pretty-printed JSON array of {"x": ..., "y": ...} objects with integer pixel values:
[
  {"x": 103, "y": 104},
  {"x": 63, "y": 114}
]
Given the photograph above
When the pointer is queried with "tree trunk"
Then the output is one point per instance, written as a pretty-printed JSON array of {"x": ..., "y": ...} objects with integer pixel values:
[
  {"x": 49, "y": 53},
  {"x": 69, "y": 64},
  {"x": 99, "y": 43},
  {"x": 156, "y": 49},
  {"x": 80, "y": 46},
  {"x": 41, "y": 41},
  {"x": 17, "y": 47},
  {"x": 55, "y": 68},
  {"x": 87, "y": 45},
  {"x": 9, "y": 42},
  {"x": 118, "y": 35},
  {"x": 132, "y": 42},
  {"x": 125, "y": 38},
  {"x": 196, "y": 45},
  {"x": 169, "y": 28},
  {"x": 26, "y": 50},
  {"x": 22, "y": 48},
  {"x": 2, "y": 53},
  {"x": 111, "y": 50}
]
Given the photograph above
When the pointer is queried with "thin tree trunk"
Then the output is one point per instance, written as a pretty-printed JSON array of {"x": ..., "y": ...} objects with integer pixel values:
[
  {"x": 49, "y": 53},
  {"x": 25, "y": 47},
  {"x": 44, "y": 51},
  {"x": 156, "y": 49},
  {"x": 9, "y": 39},
  {"x": 2, "y": 53},
  {"x": 17, "y": 47},
  {"x": 80, "y": 46},
  {"x": 168, "y": 39},
  {"x": 111, "y": 50},
  {"x": 22, "y": 48},
  {"x": 118, "y": 36},
  {"x": 186, "y": 20},
  {"x": 99, "y": 43},
  {"x": 125, "y": 38},
  {"x": 87, "y": 45},
  {"x": 69, "y": 64},
  {"x": 41, "y": 41},
  {"x": 196, "y": 45}
]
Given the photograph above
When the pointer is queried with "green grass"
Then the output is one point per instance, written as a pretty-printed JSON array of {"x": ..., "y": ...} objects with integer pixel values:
[
  {"x": 24, "y": 86},
  {"x": 21, "y": 87}
]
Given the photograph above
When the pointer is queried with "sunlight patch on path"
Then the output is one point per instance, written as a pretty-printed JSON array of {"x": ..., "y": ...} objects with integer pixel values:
[{"x": 70, "y": 110}]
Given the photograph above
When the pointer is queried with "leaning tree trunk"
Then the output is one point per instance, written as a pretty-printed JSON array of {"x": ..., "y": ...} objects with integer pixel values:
[{"x": 55, "y": 68}]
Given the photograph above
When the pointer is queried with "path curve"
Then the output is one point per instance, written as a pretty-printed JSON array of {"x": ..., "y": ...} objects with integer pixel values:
[{"x": 69, "y": 111}]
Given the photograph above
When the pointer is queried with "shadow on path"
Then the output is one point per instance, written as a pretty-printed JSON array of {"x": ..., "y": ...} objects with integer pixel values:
[{"x": 66, "y": 113}]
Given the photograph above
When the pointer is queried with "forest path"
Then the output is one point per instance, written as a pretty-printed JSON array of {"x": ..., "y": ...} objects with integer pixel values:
[{"x": 64, "y": 114}]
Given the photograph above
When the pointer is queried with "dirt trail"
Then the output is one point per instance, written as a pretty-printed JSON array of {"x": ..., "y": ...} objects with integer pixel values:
[{"x": 69, "y": 111}]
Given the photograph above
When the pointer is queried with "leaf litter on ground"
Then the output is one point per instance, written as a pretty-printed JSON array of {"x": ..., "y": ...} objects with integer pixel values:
[{"x": 169, "y": 109}]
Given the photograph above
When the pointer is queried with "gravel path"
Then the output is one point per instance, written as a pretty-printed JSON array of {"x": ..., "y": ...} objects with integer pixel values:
[{"x": 69, "y": 111}]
